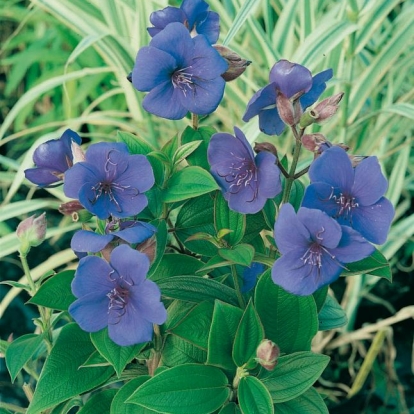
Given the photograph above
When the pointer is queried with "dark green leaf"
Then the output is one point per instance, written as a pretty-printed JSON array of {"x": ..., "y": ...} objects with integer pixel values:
[
  {"x": 376, "y": 265},
  {"x": 199, "y": 156},
  {"x": 293, "y": 375},
  {"x": 249, "y": 334},
  {"x": 99, "y": 403},
  {"x": 226, "y": 319},
  {"x": 331, "y": 316},
  {"x": 254, "y": 398},
  {"x": 174, "y": 264},
  {"x": 308, "y": 402},
  {"x": 61, "y": 377},
  {"x": 117, "y": 356},
  {"x": 290, "y": 321},
  {"x": 119, "y": 406},
  {"x": 184, "y": 389},
  {"x": 196, "y": 289},
  {"x": 188, "y": 183},
  {"x": 224, "y": 218},
  {"x": 195, "y": 216},
  {"x": 20, "y": 351},
  {"x": 320, "y": 297},
  {"x": 177, "y": 351},
  {"x": 161, "y": 237},
  {"x": 56, "y": 292},
  {"x": 230, "y": 408},
  {"x": 195, "y": 326},
  {"x": 241, "y": 254}
]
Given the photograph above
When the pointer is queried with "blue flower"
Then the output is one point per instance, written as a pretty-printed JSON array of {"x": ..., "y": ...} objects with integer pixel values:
[
  {"x": 52, "y": 159},
  {"x": 180, "y": 73},
  {"x": 84, "y": 241},
  {"x": 294, "y": 81},
  {"x": 193, "y": 14},
  {"x": 250, "y": 275},
  {"x": 353, "y": 196},
  {"x": 314, "y": 249},
  {"x": 110, "y": 182},
  {"x": 118, "y": 295},
  {"x": 247, "y": 181}
]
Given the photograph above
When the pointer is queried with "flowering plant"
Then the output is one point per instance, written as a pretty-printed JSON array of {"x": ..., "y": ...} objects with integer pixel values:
[{"x": 203, "y": 267}]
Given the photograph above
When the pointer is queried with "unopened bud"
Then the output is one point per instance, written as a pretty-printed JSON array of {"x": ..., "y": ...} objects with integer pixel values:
[
  {"x": 285, "y": 109},
  {"x": 31, "y": 232},
  {"x": 70, "y": 207},
  {"x": 267, "y": 354},
  {"x": 327, "y": 108},
  {"x": 356, "y": 159},
  {"x": 81, "y": 216},
  {"x": 265, "y": 146},
  {"x": 237, "y": 65},
  {"x": 314, "y": 142},
  {"x": 77, "y": 152}
]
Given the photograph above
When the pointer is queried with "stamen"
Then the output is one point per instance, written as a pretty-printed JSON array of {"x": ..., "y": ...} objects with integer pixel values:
[{"x": 346, "y": 205}]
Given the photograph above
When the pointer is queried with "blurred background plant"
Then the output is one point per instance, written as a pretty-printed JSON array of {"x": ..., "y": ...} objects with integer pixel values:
[{"x": 64, "y": 64}]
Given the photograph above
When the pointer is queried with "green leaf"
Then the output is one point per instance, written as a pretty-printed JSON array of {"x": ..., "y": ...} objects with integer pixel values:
[
  {"x": 308, "y": 402},
  {"x": 376, "y": 265},
  {"x": 135, "y": 144},
  {"x": 20, "y": 351},
  {"x": 196, "y": 216},
  {"x": 61, "y": 377},
  {"x": 171, "y": 147},
  {"x": 230, "y": 408},
  {"x": 289, "y": 321},
  {"x": 254, "y": 398},
  {"x": 199, "y": 156},
  {"x": 249, "y": 334},
  {"x": 161, "y": 237},
  {"x": 331, "y": 316},
  {"x": 320, "y": 297},
  {"x": 196, "y": 289},
  {"x": 175, "y": 264},
  {"x": 117, "y": 356},
  {"x": 241, "y": 254},
  {"x": 99, "y": 403},
  {"x": 177, "y": 351},
  {"x": 224, "y": 218},
  {"x": 188, "y": 183},
  {"x": 184, "y": 389},
  {"x": 195, "y": 326},
  {"x": 226, "y": 319},
  {"x": 293, "y": 375},
  {"x": 56, "y": 292},
  {"x": 119, "y": 406},
  {"x": 184, "y": 151},
  {"x": 214, "y": 263}
]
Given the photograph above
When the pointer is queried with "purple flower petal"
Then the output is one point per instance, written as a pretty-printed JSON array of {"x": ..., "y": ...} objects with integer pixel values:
[
  {"x": 270, "y": 122},
  {"x": 262, "y": 99},
  {"x": 318, "y": 86},
  {"x": 88, "y": 241},
  {"x": 192, "y": 9},
  {"x": 136, "y": 233},
  {"x": 268, "y": 175},
  {"x": 209, "y": 26},
  {"x": 161, "y": 18},
  {"x": 319, "y": 196},
  {"x": 370, "y": 184}
]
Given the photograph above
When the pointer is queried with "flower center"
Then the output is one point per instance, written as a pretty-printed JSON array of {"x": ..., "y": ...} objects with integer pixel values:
[
  {"x": 242, "y": 174},
  {"x": 183, "y": 80},
  {"x": 313, "y": 256},
  {"x": 346, "y": 205},
  {"x": 118, "y": 301}
]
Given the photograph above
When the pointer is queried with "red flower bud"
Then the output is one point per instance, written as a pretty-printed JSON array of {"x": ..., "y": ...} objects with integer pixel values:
[{"x": 267, "y": 354}]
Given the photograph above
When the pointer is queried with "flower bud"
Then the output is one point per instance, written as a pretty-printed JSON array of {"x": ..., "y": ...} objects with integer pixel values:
[
  {"x": 267, "y": 354},
  {"x": 265, "y": 146},
  {"x": 314, "y": 142},
  {"x": 237, "y": 65},
  {"x": 327, "y": 108},
  {"x": 285, "y": 109},
  {"x": 70, "y": 207},
  {"x": 31, "y": 232}
]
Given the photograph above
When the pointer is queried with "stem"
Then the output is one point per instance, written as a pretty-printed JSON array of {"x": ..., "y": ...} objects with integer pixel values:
[
  {"x": 194, "y": 118},
  {"x": 26, "y": 268},
  {"x": 155, "y": 359},
  {"x": 237, "y": 287},
  {"x": 291, "y": 176}
]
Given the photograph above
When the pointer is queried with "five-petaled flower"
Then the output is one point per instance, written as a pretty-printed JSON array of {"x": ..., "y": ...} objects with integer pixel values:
[
  {"x": 292, "y": 80},
  {"x": 52, "y": 159},
  {"x": 353, "y": 196},
  {"x": 181, "y": 73},
  {"x": 117, "y": 295},
  {"x": 193, "y": 14},
  {"x": 246, "y": 181},
  {"x": 314, "y": 249},
  {"x": 110, "y": 182}
]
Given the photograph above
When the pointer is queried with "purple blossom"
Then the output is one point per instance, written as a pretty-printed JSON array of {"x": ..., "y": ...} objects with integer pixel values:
[
  {"x": 292, "y": 80},
  {"x": 84, "y": 241},
  {"x": 247, "y": 181},
  {"x": 353, "y": 196},
  {"x": 180, "y": 73},
  {"x": 118, "y": 295},
  {"x": 250, "y": 275},
  {"x": 110, "y": 182},
  {"x": 193, "y": 14},
  {"x": 314, "y": 249},
  {"x": 52, "y": 159}
]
